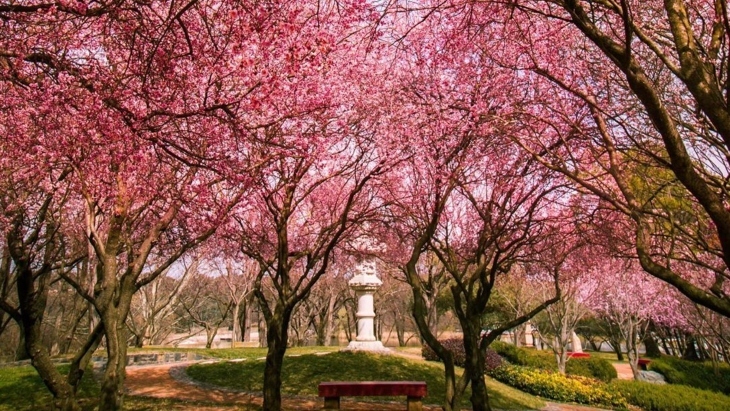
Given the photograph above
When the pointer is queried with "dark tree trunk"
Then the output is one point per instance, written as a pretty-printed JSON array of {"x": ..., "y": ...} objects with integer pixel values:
[
  {"x": 32, "y": 297},
  {"x": 652, "y": 348},
  {"x": 21, "y": 353},
  {"x": 474, "y": 366},
  {"x": 690, "y": 352},
  {"x": 617, "y": 350},
  {"x": 400, "y": 331},
  {"x": 242, "y": 320},
  {"x": 320, "y": 330},
  {"x": 276, "y": 338},
  {"x": 454, "y": 387}
]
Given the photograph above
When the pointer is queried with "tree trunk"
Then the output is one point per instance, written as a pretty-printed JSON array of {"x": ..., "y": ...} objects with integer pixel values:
[
  {"x": 560, "y": 350},
  {"x": 617, "y": 349},
  {"x": 330, "y": 321},
  {"x": 210, "y": 332},
  {"x": 242, "y": 319},
  {"x": 57, "y": 325},
  {"x": 236, "y": 331},
  {"x": 454, "y": 388},
  {"x": 32, "y": 298},
  {"x": 276, "y": 338},
  {"x": 139, "y": 336},
  {"x": 652, "y": 348},
  {"x": 21, "y": 353},
  {"x": 519, "y": 335},
  {"x": 112, "y": 386},
  {"x": 632, "y": 347},
  {"x": 690, "y": 352},
  {"x": 474, "y": 367},
  {"x": 400, "y": 331}
]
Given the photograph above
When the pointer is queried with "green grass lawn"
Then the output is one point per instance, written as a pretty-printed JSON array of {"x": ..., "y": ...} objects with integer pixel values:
[
  {"x": 233, "y": 353},
  {"x": 610, "y": 356},
  {"x": 21, "y": 389},
  {"x": 302, "y": 374}
]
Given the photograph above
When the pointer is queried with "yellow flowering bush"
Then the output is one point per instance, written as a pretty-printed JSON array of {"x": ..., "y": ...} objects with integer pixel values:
[{"x": 558, "y": 387}]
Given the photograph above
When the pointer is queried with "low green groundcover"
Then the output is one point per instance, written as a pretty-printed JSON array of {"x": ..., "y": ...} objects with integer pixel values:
[
  {"x": 558, "y": 387},
  {"x": 301, "y": 376},
  {"x": 693, "y": 373},
  {"x": 593, "y": 367},
  {"x": 22, "y": 389},
  {"x": 652, "y": 397}
]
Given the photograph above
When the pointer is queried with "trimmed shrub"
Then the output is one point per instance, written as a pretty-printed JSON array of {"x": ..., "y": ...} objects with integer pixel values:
[
  {"x": 456, "y": 346},
  {"x": 521, "y": 356},
  {"x": 558, "y": 387},
  {"x": 694, "y": 374},
  {"x": 592, "y": 367},
  {"x": 492, "y": 360},
  {"x": 652, "y": 397}
]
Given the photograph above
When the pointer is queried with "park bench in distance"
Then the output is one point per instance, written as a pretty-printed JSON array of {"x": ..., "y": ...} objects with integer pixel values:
[
  {"x": 643, "y": 364},
  {"x": 332, "y": 391}
]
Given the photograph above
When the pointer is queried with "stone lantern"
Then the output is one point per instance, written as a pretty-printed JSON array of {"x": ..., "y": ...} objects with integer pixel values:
[{"x": 365, "y": 282}]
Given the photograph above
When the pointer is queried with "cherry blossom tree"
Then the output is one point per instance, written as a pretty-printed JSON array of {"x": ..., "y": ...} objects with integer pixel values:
[
  {"x": 462, "y": 192},
  {"x": 646, "y": 83},
  {"x": 323, "y": 304},
  {"x": 152, "y": 313},
  {"x": 207, "y": 305},
  {"x": 630, "y": 299},
  {"x": 558, "y": 322},
  {"x": 154, "y": 110},
  {"x": 304, "y": 206},
  {"x": 39, "y": 249},
  {"x": 605, "y": 92}
]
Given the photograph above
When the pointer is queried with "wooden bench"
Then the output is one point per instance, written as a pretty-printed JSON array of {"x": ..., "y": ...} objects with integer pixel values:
[
  {"x": 332, "y": 391},
  {"x": 643, "y": 364}
]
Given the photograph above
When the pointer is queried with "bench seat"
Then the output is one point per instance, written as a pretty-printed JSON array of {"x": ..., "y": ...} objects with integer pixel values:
[
  {"x": 643, "y": 363},
  {"x": 332, "y": 391}
]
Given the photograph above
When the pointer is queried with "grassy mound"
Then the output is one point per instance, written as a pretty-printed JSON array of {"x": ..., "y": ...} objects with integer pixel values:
[{"x": 302, "y": 374}]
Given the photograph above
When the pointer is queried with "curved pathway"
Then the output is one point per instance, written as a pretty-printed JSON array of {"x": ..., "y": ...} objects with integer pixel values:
[
  {"x": 156, "y": 381},
  {"x": 169, "y": 381}
]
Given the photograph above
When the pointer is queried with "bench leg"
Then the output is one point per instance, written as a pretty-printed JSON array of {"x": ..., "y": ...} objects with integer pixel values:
[
  {"x": 332, "y": 403},
  {"x": 414, "y": 404}
]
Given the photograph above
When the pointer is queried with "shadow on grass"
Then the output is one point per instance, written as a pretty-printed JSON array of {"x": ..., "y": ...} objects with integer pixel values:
[
  {"x": 301, "y": 376},
  {"x": 22, "y": 389}
]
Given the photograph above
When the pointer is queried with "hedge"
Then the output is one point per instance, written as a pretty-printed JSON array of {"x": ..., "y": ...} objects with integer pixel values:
[
  {"x": 692, "y": 373},
  {"x": 558, "y": 387},
  {"x": 593, "y": 367},
  {"x": 652, "y": 397},
  {"x": 456, "y": 346}
]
